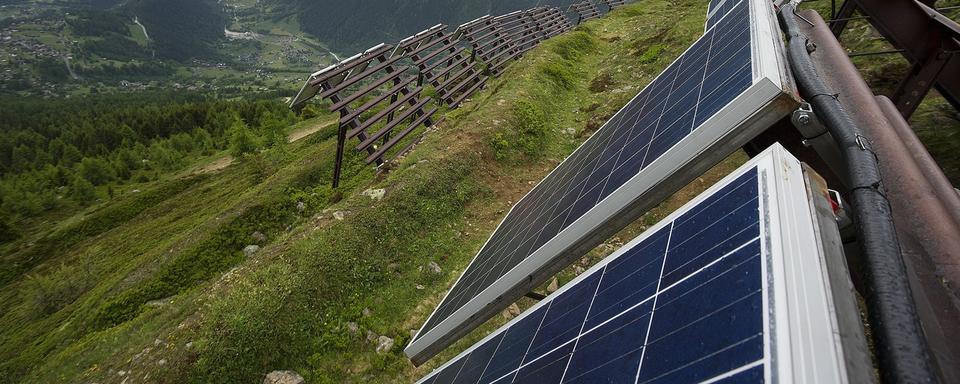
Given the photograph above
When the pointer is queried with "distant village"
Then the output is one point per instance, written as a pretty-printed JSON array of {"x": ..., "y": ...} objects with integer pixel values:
[{"x": 31, "y": 38}]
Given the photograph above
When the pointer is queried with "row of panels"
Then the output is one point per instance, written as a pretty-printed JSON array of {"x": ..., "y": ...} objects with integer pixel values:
[{"x": 382, "y": 94}]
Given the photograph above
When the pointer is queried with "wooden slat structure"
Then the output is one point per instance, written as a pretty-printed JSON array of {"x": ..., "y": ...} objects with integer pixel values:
[
  {"x": 613, "y": 4},
  {"x": 379, "y": 93},
  {"x": 378, "y": 100},
  {"x": 443, "y": 63},
  {"x": 491, "y": 44},
  {"x": 585, "y": 10},
  {"x": 552, "y": 21},
  {"x": 521, "y": 28}
]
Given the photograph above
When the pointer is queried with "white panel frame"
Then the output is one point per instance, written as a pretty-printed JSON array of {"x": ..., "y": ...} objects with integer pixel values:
[
  {"x": 770, "y": 98},
  {"x": 801, "y": 339}
]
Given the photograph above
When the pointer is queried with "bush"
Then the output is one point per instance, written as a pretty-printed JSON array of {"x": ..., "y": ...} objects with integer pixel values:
[
  {"x": 8, "y": 232},
  {"x": 652, "y": 53},
  {"x": 242, "y": 140},
  {"x": 558, "y": 75},
  {"x": 574, "y": 45},
  {"x": 530, "y": 128}
]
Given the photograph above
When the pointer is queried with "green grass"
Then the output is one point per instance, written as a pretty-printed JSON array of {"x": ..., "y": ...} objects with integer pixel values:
[
  {"x": 165, "y": 281},
  {"x": 172, "y": 274}
]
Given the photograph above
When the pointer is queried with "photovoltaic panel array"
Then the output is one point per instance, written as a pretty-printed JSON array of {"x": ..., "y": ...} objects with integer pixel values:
[
  {"x": 723, "y": 90},
  {"x": 698, "y": 298},
  {"x": 717, "y": 9}
]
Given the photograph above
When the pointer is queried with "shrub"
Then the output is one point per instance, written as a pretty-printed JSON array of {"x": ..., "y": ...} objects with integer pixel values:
[
  {"x": 652, "y": 53},
  {"x": 574, "y": 45},
  {"x": 558, "y": 75},
  {"x": 530, "y": 124}
]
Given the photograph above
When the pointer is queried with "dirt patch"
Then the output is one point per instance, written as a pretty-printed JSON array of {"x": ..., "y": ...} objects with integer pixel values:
[
  {"x": 307, "y": 131},
  {"x": 215, "y": 166}
]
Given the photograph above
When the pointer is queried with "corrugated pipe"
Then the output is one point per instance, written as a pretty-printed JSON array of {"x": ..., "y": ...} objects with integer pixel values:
[{"x": 900, "y": 343}]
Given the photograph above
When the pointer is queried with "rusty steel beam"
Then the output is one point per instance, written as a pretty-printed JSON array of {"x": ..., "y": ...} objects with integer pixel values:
[
  {"x": 925, "y": 207},
  {"x": 930, "y": 42}
]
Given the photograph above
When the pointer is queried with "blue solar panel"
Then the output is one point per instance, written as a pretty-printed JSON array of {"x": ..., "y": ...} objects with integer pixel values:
[
  {"x": 693, "y": 97},
  {"x": 718, "y": 8},
  {"x": 682, "y": 304},
  {"x": 698, "y": 298}
]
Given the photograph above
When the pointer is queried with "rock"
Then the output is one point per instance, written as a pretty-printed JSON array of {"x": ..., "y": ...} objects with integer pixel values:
[
  {"x": 384, "y": 344},
  {"x": 157, "y": 342},
  {"x": 162, "y": 362},
  {"x": 413, "y": 333},
  {"x": 339, "y": 215},
  {"x": 188, "y": 345},
  {"x": 283, "y": 377},
  {"x": 301, "y": 206},
  {"x": 259, "y": 236},
  {"x": 434, "y": 267},
  {"x": 553, "y": 286},
  {"x": 250, "y": 250},
  {"x": 570, "y": 131},
  {"x": 512, "y": 311},
  {"x": 366, "y": 312},
  {"x": 578, "y": 270},
  {"x": 372, "y": 336},
  {"x": 375, "y": 194},
  {"x": 420, "y": 287},
  {"x": 353, "y": 327}
]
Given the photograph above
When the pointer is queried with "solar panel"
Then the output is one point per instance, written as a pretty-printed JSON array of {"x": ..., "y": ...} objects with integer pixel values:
[
  {"x": 726, "y": 88},
  {"x": 727, "y": 289},
  {"x": 717, "y": 9}
]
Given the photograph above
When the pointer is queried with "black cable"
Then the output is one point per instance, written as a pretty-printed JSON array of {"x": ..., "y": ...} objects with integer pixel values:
[{"x": 901, "y": 346}]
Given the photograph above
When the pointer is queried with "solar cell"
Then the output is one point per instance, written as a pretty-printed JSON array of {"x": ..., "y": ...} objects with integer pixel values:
[
  {"x": 725, "y": 88},
  {"x": 701, "y": 297},
  {"x": 717, "y": 9}
]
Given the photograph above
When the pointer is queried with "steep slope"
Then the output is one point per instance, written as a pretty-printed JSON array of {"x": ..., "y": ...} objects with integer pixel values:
[
  {"x": 169, "y": 296},
  {"x": 289, "y": 305},
  {"x": 181, "y": 29}
]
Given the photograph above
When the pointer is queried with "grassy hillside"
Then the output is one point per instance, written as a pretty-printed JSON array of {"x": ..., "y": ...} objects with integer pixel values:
[
  {"x": 148, "y": 297},
  {"x": 155, "y": 286}
]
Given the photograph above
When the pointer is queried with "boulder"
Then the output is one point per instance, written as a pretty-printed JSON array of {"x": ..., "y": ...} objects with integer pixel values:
[
  {"x": 259, "y": 236},
  {"x": 553, "y": 286},
  {"x": 384, "y": 344},
  {"x": 375, "y": 194},
  {"x": 434, "y": 267},
  {"x": 251, "y": 250},
  {"x": 512, "y": 311},
  {"x": 283, "y": 377},
  {"x": 353, "y": 327}
]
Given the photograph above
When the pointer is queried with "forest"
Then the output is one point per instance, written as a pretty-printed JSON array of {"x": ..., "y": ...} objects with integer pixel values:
[{"x": 64, "y": 155}]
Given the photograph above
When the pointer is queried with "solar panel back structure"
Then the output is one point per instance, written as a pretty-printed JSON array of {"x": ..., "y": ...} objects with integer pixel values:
[
  {"x": 724, "y": 90},
  {"x": 736, "y": 286}
]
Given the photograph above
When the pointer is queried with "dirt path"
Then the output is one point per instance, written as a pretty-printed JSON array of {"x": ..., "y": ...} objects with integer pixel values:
[
  {"x": 215, "y": 166},
  {"x": 307, "y": 131}
]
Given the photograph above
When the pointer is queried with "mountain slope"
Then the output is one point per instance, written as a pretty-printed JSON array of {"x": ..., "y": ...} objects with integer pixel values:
[{"x": 234, "y": 318}]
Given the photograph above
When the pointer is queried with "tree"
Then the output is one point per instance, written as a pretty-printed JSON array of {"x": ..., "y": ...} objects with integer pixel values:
[
  {"x": 96, "y": 171},
  {"x": 241, "y": 139},
  {"x": 82, "y": 191}
]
